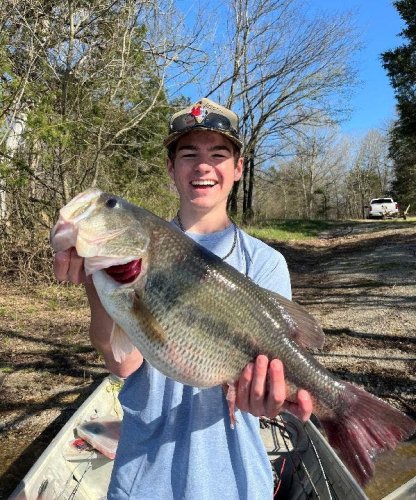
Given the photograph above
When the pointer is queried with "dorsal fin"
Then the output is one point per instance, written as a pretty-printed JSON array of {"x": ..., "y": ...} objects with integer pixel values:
[{"x": 303, "y": 328}]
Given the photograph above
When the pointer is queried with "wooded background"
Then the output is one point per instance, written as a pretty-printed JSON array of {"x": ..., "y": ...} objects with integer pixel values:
[{"x": 87, "y": 88}]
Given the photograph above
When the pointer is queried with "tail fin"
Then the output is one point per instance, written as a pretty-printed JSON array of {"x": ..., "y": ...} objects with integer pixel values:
[{"x": 367, "y": 427}]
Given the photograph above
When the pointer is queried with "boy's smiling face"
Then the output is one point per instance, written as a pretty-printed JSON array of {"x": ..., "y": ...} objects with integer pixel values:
[{"x": 204, "y": 169}]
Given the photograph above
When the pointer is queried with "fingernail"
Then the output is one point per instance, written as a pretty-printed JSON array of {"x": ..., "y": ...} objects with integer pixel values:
[
  {"x": 262, "y": 361},
  {"x": 277, "y": 364}
]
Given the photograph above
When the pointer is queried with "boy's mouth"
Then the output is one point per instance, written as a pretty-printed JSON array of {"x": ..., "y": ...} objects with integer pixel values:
[{"x": 203, "y": 184}]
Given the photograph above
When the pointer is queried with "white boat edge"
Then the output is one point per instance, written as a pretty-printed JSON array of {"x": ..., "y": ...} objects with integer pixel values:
[
  {"x": 34, "y": 485},
  {"x": 404, "y": 492},
  {"x": 31, "y": 485}
]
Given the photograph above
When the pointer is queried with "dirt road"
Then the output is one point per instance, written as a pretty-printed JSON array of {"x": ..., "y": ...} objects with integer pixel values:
[{"x": 359, "y": 281}]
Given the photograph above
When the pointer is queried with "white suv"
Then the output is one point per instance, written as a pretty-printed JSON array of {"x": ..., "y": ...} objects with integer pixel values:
[{"x": 383, "y": 207}]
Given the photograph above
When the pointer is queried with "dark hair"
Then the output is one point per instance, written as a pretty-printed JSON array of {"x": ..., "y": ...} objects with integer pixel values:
[{"x": 172, "y": 150}]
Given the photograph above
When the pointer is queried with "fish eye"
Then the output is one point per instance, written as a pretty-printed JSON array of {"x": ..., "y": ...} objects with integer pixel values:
[{"x": 111, "y": 203}]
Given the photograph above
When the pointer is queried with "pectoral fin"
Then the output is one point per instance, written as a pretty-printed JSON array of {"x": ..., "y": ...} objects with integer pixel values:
[{"x": 120, "y": 343}]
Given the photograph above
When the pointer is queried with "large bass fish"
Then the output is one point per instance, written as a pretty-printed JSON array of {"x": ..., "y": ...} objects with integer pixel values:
[{"x": 199, "y": 321}]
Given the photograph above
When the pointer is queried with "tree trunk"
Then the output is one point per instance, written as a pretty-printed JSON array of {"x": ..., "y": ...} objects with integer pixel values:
[
  {"x": 248, "y": 214},
  {"x": 232, "y": 203}
]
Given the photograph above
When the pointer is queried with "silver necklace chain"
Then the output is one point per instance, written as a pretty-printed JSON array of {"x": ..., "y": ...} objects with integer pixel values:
[{"x": 234, "y": 240}]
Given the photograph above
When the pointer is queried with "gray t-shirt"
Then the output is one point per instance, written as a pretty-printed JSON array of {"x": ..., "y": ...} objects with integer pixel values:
[{"x": 176, "y": 440}]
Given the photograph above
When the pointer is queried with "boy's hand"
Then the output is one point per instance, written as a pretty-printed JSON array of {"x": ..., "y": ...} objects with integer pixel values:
[
  {"x": 69, "y": 266},
  {"x": 261, "y": 391}
]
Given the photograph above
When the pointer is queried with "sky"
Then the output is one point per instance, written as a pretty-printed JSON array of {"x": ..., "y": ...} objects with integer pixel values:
[
  {"x": 373, "y": 102},
  {"x": 379, "y": 24}
]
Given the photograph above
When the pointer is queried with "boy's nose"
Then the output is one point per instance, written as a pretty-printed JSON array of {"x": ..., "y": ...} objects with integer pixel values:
[{"x": 202, "y": 165}]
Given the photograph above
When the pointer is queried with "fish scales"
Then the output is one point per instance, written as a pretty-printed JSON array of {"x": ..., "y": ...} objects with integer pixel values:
[
  {"x": 199, "y": 321},
  {"x": 191, "y": 293},
  {"x": 184, "y": 296}
]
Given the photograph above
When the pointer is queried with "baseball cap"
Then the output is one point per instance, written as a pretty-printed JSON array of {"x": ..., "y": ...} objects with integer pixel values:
[{"x": 204, "y": 115}]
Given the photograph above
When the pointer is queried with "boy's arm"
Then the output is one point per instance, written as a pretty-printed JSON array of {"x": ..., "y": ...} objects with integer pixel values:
[{"x": 69, "y": 266}]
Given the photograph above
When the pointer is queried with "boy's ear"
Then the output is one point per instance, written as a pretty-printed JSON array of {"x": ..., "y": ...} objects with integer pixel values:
[
  {"x": 170, "y": 167},
  {"x": 238, "y": 171}
]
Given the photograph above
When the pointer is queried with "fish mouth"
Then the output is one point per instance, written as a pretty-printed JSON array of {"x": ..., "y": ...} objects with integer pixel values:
[
  {"x": 63, "y": 236},
  {"x": 125, "y": 273}
]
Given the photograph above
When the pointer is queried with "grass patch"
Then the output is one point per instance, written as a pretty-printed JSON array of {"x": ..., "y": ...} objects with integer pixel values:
[
  {"x": 81, "y": 349},
  {"x": 63, "y": 295},
  {"x": 397, "y": 220},
  {"x": 3, "y": 312},
  {"x": 6, "y": 369},
  {"x": 285, "y": 230},
  {"x": 298, "y": 229}
]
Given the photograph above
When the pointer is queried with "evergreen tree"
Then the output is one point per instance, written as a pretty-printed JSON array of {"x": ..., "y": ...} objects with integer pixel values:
[
  {"x": 82, "y": 103},
  {"x": 400, "y": 65},
  {"x": 81, "y": 78}
]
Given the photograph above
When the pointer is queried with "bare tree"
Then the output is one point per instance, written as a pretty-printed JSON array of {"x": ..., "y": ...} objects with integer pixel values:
[
  {"x": 309, "y": 184},
  {"x": 374, "y": 152},
  {"x": 281, "y": 70},
  {"x": 370, "y": 175}
]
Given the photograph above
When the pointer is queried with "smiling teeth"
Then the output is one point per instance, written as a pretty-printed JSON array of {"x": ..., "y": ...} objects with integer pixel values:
[{"x": 203, "y": 183}]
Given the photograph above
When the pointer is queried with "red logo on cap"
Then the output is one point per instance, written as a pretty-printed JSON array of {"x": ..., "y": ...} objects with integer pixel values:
[
  {"x": 196, "y": 110},
  {"x": 199, "y": 112}
]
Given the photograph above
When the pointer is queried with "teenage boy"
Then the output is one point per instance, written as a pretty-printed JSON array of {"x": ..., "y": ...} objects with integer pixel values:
[{"x": 176, "y": 440}]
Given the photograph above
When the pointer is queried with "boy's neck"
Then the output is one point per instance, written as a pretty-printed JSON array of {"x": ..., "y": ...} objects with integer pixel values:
[{"x": 203, "y": 223}]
